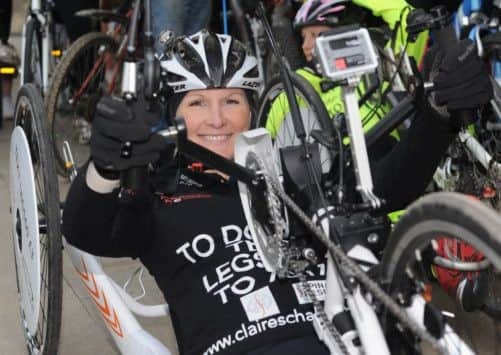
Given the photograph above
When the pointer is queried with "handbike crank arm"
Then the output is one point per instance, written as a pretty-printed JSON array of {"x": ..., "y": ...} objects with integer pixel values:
[
  {"x": 216, "y": 161},
  {"x": 358, "y": 147},
  {"x": 209, "y": 158}
]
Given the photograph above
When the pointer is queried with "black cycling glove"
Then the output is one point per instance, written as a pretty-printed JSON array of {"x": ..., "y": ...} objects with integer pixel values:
[
  {"x": 461, "y": 82},
  {"x": 115, "y": 124},
  {"x": 451, "y": 5}
]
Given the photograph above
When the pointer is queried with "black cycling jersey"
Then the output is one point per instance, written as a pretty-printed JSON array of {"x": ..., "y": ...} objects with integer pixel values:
[
  {"x": 199, "y": 250},
  {"x": 193, "y": 238}
]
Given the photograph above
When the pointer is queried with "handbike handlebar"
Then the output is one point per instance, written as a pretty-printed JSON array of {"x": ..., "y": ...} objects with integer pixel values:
[{"x": 135, "y": 178}]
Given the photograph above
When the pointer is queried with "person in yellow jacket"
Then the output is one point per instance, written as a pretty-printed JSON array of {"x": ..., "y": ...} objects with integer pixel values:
[{"x": 317, "y": 16}]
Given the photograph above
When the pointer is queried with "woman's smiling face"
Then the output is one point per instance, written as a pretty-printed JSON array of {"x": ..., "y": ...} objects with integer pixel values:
[{"x": 214, "y": 117}]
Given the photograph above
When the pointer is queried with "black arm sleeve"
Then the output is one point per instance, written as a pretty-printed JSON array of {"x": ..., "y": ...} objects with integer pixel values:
[
  {"x": 403, "y": 175},
  {"x": 101, "y": 225}
]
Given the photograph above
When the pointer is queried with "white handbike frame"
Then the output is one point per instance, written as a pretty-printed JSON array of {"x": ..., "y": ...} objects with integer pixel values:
[{"x": 117, "y": 307}]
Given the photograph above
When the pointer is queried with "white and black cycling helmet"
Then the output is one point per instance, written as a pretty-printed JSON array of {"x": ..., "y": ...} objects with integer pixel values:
[
  {"x": 208, "y": 60},
  {"x": 321, "y": 12}
]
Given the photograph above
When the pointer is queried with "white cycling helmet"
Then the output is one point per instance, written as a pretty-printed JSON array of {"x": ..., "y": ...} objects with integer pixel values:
[
  {"x": 208, "y": 60},
  {"x": 320, "y": 12}
]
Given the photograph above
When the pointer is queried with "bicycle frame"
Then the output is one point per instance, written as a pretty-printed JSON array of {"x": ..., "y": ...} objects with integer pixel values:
[
  {"x": 367, "y": 325},
  {"x": 444, "y": 177},
  {"x": 36, "y": 12},
  {"x": 114, "y": 75},
  {"x": 116, "y": 306}
]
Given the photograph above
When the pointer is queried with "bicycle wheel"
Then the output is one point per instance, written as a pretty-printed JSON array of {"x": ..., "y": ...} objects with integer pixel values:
[
  {"x": 441, "y": 234},
  {"x": 274, "y": 114},
  {"x": 36, "y": 224},
  {"x": 75, "y": 91},
  {"x": 32, "y": 54}
]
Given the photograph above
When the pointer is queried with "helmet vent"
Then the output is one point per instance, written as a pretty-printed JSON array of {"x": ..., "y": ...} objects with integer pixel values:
[
  {"x": 172, "y": 77},
  {"x": 253, "y": 73}
]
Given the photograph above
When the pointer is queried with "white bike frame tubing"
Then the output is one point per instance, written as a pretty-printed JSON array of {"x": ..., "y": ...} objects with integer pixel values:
[
  {"x": 115, "y": 306},
  {"x": 46, "y": 51},
  {"x": 478, "y": 151},
  {"x": 35, "y": 9},
  {"x": 254, "y": 25},
  {"x": 367, "y": 325},
  {"x": 366, "y": 321},
  {"x": 36, "y": 5},
  {"x": 357, "y": 144}
]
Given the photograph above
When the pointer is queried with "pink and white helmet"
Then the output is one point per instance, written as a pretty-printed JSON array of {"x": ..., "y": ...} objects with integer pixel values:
[{"x": 320, "y": 12}]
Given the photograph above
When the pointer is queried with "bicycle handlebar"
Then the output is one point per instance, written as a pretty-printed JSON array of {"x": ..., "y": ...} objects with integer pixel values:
[
  {"x": 439, "y": 21},
  {"x": 445, "y": 36},
  {"x": 135, "y": 178}
]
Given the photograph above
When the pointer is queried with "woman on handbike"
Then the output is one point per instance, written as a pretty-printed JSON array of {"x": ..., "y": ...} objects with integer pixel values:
[{"x": 187, "y": 225}]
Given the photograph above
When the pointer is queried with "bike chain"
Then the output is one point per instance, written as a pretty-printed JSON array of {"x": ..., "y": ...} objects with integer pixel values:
[
  {"x": 288, "y": 257},
  {"x": 352, "y": 268}
]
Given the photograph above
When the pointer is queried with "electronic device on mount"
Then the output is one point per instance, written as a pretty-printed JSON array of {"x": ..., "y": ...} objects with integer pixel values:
[
  {"x": 344, "y": 55},
  {"x": 345, "y": 52}
]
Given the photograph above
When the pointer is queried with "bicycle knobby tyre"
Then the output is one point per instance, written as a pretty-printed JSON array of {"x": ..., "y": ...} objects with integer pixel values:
[{"x": 71, "y": 57}]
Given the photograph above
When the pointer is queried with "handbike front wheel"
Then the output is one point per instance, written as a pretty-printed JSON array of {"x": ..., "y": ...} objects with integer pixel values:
[
  {"x": 36, "y": 222},
  {"x": 447, "y": 250}
]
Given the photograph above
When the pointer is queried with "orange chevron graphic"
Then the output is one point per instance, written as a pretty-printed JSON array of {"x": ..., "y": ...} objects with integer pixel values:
[{"x": 103, "y": 307}]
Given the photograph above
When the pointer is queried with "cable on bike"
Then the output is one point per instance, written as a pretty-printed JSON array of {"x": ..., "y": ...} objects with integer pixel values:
[{"x": 225, "y": 17}]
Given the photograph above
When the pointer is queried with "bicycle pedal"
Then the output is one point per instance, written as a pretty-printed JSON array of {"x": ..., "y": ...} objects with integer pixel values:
[{"x": 433, "y": 320}]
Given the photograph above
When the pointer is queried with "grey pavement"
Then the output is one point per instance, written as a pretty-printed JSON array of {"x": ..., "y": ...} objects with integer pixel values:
[{"x": 82, "y": 331}]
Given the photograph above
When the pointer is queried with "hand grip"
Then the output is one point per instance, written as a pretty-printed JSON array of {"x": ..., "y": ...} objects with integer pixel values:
[
  {"x": 445, "y": 37},
  {"x": 134, "y": 178}
]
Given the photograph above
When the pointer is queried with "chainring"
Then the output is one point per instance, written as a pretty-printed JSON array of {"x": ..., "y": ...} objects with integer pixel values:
[{"x": 264, "y": 211}]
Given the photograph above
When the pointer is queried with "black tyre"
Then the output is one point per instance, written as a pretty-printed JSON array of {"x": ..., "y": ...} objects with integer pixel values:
[
  {"x": 279, "y": 121},
  {"x": 37, "y": 244},
  {"x": 440, "y": 233},
  {"x": 32, "y": 56},
  {"x": 75, "y": 89}
]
